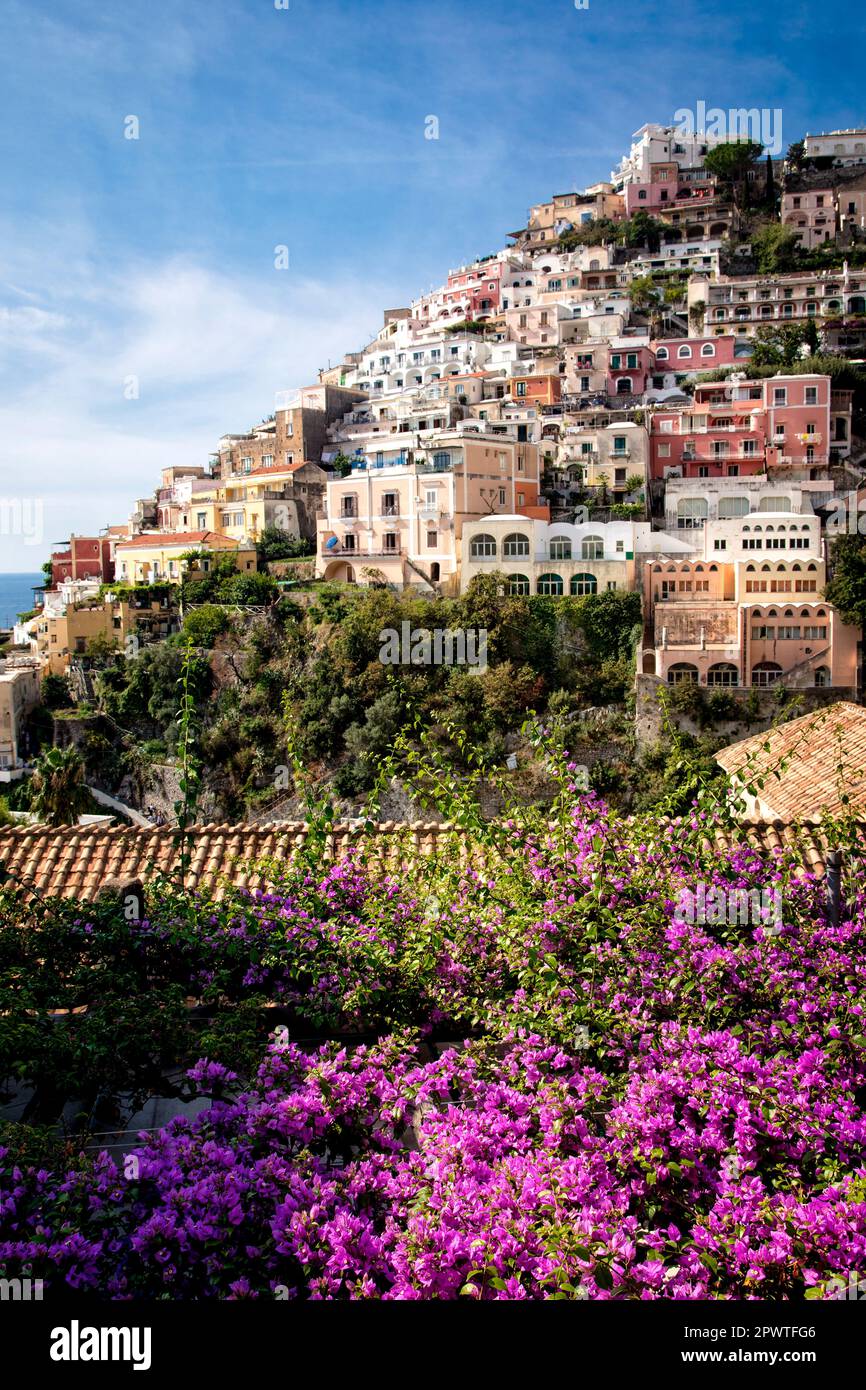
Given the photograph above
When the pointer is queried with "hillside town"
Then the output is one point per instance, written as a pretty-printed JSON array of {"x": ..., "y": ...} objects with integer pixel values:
[
  {"x": 651, "y": 388},
  {"x": 432, "y": 677}
]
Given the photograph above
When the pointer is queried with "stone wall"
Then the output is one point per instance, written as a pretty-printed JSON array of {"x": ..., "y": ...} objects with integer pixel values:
[{"x": 648, "y": 722}]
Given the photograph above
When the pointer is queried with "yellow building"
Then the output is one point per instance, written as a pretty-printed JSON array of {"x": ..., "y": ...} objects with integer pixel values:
[
  {"x": 63, "y": 634},
  {"x": 19, "y": 694},
  {"x": 158, "y": 556}
]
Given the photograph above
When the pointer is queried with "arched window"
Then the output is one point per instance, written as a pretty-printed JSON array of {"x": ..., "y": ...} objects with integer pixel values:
[
  {"x": 766, "y": 673},
  {"x": 549, "y": 584},
  {"x": 684, "y": 351},
  {"x": 517, "y": 584},
  {"x": 708, "y": 350},
  {"x": 662, "y": 354},
  {"x": 733, "y": 506},
  {"x": 776, "y": 502},
  {"x": 623, "y": 386},
  {"x": 515, "y": 545},
  {"x": 681, "y": 672},
  {"x": 592, "y": 548},
  {"x": 691, "y": 513},
  {"x": 723, "y": 673},
  {"x": 583, "y": 584},
  {"x": 482, "y": 547},
  {"x": 822, "y": 676},
  {"x": 560, "y": 548}
]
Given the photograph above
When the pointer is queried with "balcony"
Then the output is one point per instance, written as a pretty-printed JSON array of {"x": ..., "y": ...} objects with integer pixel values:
[{"x": 390, "y": 509}]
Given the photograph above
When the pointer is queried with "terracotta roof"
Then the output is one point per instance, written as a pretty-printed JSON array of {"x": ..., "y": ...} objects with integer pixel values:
[
  {"x": 73, "y": 861},
  {"x": 814, "y": 745},
  {"x": 165, "y": 539}
]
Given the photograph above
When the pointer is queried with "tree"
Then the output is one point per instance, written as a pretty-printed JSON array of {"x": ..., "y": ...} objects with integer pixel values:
[
  {"x": 594, "y": 233},
  {"x": 782, "y": 345},
  {"x": 731, "y": 163},
  {"x": 796, "y": 156},
  {"x": 696, "y": 315},
  {"x": 55, "y": 692},
  {"x": 277, "y": 544},
  {"x": 847, "y": 588},
  {"x": 776, "y": 248},
  {"x": 202, "y": 626},
  {"x": 58, "y": 791},
  {"x": 642, "y": 230},
  {"x": 643, "y": 293},
  {"x": 770, "y": 194}
]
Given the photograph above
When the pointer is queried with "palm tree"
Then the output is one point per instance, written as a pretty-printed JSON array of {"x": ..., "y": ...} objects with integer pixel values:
[{"x": 59, "y": 794}]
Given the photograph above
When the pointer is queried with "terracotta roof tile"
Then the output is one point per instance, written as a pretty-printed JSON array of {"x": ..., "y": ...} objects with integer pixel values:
[
  {"x": 74, "y": 862},
  {"x": 826, "y": 759}
]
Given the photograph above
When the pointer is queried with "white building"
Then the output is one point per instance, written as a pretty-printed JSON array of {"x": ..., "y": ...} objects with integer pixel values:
[
  {"x": 661, "y": 144},
  {"x": 842, "y": 146}
]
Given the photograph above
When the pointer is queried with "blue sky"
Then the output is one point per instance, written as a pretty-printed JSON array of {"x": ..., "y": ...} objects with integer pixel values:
[{"x": 304, "y": 127}]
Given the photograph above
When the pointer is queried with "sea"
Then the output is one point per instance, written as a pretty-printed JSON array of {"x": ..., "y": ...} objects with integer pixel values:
[{"x": 16, "y": 595}]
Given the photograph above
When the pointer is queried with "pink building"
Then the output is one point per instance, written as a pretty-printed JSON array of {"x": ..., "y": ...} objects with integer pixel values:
[
  {"x": 475, "y": 289},
  {"x": 86, "y": 557},
  {"x": 629, "y": 364},
  {"x": 668, "y": 185},
  {"x": 812, "y": 215},
  {"x": 780, "y": 424},
  {"x": 694, "y": 354}
]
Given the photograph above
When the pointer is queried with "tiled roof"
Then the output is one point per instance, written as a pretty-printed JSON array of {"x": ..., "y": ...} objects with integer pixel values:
[
  {"x": 74, "y": 861},
  {"x": 165, "y": 539},
  {"x": 815, "y": 746}
]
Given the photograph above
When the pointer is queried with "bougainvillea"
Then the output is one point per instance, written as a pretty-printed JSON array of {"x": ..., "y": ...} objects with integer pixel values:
[{"x": 564, "y": 1083}]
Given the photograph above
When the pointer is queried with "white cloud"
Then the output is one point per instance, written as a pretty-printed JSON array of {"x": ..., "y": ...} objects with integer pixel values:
[{"x": 209, "y": 351}]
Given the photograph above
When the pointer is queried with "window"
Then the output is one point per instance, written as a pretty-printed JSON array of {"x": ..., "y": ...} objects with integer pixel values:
[
  {"x": 518, "y": 584},
  {"x": 766, "y": 673},
  {"x": 201, "y": 520},
  {"x": 392, "y": 541},
  {"x": 780, "y": 395},
  {"x": 592, "y": 548},
  {"x": 822, "y": 676},
  {"x": 583, "y": 584},
  {"x": 620, "y": 444},
  {"x": 684, "y": 351},
  {"x": 560, "y": 548},
  {"x": 515, "y": 545},
  {"x": 432, "y": 540},
  {"x": 521, "y": 388},
  {"x": 681, "y": 672},
  {"x": 662, "y": 354},
  {"x": 723, "y": 673},
  {"x": 733, "y": 506},
  {"x": 482, "y": 547},
  {"x": 811, "y": 398},
  {"x": 691, "y": 513},
  {"x": 550, "y": 584}
]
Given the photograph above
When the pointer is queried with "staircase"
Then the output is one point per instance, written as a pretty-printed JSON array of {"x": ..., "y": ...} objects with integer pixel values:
[{"x": 432, "y": 584}]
